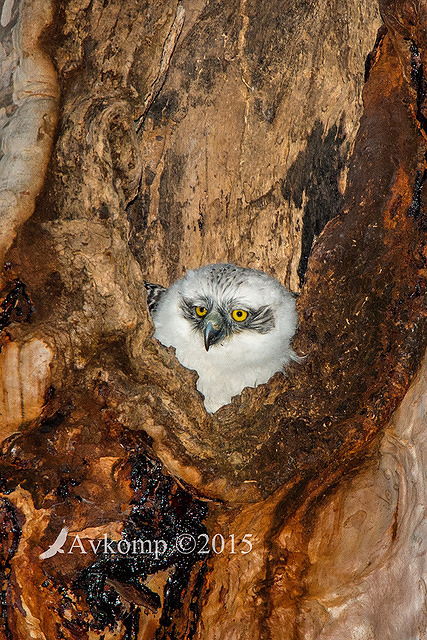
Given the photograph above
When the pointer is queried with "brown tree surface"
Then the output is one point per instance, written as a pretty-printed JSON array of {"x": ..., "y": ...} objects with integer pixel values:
[{"x": 141, "y": 139}]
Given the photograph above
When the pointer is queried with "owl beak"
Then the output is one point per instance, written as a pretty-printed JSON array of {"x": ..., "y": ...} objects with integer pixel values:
[{"x": 213, "y": 333}]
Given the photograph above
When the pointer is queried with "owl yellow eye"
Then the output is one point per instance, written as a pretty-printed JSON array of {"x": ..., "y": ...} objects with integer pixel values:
[
  {"x": 201, "y": 311},
  {"x": 239, "y": 315}
]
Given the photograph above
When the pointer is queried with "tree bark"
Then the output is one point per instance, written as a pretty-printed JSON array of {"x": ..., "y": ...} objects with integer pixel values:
[{"x": 143, "y": 139}]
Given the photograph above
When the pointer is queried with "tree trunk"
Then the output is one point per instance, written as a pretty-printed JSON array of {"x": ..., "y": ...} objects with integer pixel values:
[{"x": 143, "y": 139}]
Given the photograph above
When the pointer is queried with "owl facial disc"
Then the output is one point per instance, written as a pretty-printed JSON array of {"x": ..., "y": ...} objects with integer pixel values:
[{"x": 230, "y": 324}]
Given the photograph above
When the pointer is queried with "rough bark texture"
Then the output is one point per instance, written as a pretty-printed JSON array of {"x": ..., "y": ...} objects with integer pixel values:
[{"x": 188, "y": 133}]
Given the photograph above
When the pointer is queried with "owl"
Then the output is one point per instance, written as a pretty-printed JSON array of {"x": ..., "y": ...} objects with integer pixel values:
[{"x": 232, "y": 325}]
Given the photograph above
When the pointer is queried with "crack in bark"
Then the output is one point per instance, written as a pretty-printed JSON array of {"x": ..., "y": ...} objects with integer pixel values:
[{"x": 168, "y": 49}]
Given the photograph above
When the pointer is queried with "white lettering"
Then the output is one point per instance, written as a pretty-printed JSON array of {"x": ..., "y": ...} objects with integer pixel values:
[
  {"x": 77, "y": 543},
  {"x": 156, "y": 548},
  {"x": 107, "y": 546},
  {"x": 127, "y": 546}
]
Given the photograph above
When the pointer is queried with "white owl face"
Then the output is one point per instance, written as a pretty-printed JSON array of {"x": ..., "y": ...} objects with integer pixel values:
[
  {"x": 230, "y": 324},
  {"x": 218, "y": 320}
]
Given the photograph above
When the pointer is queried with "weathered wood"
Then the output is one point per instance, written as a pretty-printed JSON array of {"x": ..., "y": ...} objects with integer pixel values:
[
  {"x": 235, "y": 134},
  {"x": 29, "y": 107}
]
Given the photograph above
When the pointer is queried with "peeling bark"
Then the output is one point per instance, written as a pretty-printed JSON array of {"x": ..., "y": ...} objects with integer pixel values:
[
  {"x": 28, "y": 116},
  {"x": 188, "y": 133}
]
